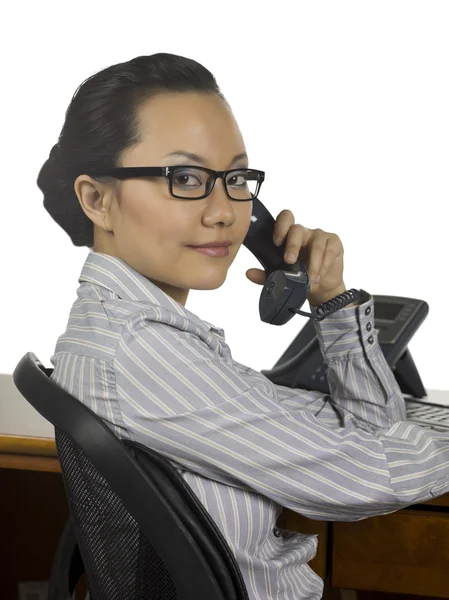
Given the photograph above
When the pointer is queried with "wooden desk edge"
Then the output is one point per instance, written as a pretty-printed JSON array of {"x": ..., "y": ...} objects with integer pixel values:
[
  {"x": 24, "y": 462},
  {"x": 35, "y": 446},
  {"x": 28, "y": 453}
]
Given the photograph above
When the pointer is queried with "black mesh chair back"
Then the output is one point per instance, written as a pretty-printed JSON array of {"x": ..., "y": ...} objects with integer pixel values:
[{"x": 139, "y": 531}]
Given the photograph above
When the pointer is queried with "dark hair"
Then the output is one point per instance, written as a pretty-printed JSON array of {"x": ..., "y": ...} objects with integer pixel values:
[{"x": 102, "y": 121}]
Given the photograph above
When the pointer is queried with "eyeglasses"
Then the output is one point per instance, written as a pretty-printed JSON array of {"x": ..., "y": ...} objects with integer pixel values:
[{"x": 193, "y": 183}]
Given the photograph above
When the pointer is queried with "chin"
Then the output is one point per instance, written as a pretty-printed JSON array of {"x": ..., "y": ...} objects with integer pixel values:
[
  {"x": 206, "y": 287},
  {"x": 208, "y": 283}
]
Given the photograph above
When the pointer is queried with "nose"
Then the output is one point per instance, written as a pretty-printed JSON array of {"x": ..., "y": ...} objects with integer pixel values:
[
  {"x": 220, "y": 208},
  {"x": 219, "y": 189}
]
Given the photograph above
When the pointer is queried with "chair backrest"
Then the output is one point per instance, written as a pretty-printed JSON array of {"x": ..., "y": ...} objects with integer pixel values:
[{"x": 142, "y": 532}]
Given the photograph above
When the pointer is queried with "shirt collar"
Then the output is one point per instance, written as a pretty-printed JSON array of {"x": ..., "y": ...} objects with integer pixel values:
[{"x": 116, "y": 275}]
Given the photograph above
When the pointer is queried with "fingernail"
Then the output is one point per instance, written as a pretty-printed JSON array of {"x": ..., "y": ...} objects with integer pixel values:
[
  {"x": 277, "y": 241},
  {"x": 318, "y": 279},
  {"x": 290, "y": 257}
]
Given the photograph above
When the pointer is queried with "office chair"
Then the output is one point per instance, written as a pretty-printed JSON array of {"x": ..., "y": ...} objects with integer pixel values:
[{"x": 136, "y": 528}]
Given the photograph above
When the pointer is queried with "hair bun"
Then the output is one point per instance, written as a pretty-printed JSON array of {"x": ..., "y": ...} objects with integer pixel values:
[
  {"x": 50, "y": 171},
  {"x": 60, "y": 200},
  {"x": 55, "y": 154}
]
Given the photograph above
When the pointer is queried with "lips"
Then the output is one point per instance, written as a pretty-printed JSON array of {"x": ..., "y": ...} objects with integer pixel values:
[
  {"x": 215, "y": 251},
  {"x": 216, "y": 244}
]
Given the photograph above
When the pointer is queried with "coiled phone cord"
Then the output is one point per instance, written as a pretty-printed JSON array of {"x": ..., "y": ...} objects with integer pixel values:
[
  {"x": 331, "y": 306},
  {"x": 322, "y": 311}
]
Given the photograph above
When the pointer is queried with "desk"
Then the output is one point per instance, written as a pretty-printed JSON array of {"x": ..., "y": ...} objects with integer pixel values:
[{"x": 404, "y": 552}]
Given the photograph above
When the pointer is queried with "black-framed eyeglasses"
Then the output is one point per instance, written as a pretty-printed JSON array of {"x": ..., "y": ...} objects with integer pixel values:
[{"x": 192, "y": 183}]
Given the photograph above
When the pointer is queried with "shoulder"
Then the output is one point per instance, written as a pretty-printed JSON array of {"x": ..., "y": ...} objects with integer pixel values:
[{"x": 156, "y": 329}]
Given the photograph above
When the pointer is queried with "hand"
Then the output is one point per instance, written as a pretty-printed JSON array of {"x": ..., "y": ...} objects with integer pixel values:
[{"x": 320, "y": 251}]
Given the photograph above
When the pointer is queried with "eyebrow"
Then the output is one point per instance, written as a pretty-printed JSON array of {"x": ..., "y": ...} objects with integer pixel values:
[{"x": 197, "y": 158}]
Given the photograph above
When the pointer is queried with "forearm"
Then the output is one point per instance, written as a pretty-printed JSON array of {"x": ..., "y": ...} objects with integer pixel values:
[{"x": 361, "y": 383}]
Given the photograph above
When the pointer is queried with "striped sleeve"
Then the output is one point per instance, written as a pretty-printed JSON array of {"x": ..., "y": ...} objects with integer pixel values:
[
  {"x": 361, "y": 383},
  {"x": 363, "y": 390},
  {"x": 190, "y": 404}
]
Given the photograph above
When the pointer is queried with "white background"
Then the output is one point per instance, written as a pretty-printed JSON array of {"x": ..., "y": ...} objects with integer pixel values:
[{"x": 348, "y": 100}]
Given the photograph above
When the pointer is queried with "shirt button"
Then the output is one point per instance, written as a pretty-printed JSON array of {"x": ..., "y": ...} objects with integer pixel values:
[
  {"x": 370, "y": 339},
  {"x": 277, "y": 532},
  {"x": 368, "y": 310},
  {"x": 369, "y": 326}
]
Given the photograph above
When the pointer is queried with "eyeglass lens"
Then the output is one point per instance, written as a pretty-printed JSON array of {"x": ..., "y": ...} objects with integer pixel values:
[{"x": 194, "y": 183}]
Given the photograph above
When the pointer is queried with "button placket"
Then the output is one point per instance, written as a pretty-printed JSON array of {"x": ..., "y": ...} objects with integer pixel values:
[{"x": 368, "y": 323}]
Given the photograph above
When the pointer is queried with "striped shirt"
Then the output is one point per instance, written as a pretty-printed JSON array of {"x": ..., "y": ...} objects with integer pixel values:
[{"x": 158, "y": 374}]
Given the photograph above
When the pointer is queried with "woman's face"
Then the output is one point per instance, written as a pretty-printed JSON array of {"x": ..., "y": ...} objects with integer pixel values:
[{"x": 149, "y": 229}]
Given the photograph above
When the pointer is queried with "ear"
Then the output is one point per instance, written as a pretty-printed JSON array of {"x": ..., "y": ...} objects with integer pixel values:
[{"x": 95, "y": 199}]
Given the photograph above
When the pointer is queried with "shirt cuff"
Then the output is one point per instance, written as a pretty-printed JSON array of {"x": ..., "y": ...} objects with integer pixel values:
[{"x": 348, "y": 332}]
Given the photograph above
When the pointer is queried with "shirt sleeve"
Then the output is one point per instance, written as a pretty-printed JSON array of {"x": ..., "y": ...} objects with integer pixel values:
[
  {"x": 363, "y": 390},
  {"x": 190, "y": 404}
]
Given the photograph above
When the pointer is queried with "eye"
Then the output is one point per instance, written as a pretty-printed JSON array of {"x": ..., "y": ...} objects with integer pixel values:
[
  {"x": 188, "y": 178},
  {"x": 238, "y": 179}
]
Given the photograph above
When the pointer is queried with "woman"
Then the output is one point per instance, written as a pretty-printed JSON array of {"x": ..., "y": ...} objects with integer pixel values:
[{"x": 159, "y": 374}]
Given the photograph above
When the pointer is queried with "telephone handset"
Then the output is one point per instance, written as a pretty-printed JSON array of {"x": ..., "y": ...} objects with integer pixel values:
[
  {"x": 285, "y": 291},
  {"x": 287, "y": 286}
]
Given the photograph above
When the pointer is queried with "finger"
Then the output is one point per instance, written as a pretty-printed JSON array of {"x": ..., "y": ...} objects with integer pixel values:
[
  {"x": 256, "y": 276},
  {"x": 297, "y": 237},
  {"x": 284, "y": 221},
  {"x": 317, "y": 247},
  {"x": 332, "y": 252}
]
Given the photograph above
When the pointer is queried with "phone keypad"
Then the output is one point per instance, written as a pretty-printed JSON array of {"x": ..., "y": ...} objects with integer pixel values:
[{"x": 428, "y": 415}]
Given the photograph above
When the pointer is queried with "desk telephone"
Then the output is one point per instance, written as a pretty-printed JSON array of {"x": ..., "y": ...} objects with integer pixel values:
[{"x": 287, "y": 288}]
